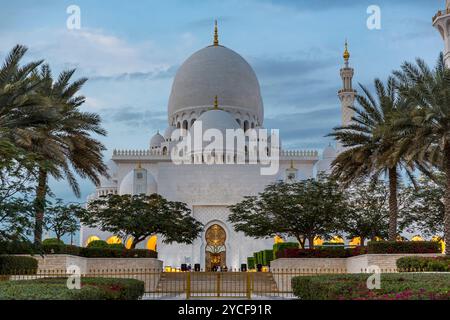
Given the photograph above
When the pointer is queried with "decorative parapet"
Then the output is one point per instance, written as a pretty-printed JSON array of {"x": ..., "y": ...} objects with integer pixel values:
[{"x": 158, "y": 154}]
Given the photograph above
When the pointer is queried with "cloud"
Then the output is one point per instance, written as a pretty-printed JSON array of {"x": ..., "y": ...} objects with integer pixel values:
[
  {"x": 133, "y": 116},
  {"x": 308, "y": 5}
]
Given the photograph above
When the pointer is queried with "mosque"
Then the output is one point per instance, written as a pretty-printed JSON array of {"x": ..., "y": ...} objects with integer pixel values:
[{"x": 218, "y": 87}]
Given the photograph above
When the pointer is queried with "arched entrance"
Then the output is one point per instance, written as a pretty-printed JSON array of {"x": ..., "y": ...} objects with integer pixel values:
[{"x": 215, "y": 254}]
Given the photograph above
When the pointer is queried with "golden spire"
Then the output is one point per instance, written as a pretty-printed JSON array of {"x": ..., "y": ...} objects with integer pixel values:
[
  {"x": 216, "y": 103},
  {"x": 216, "y": 34},
  {"x": 346, "y": 53}
]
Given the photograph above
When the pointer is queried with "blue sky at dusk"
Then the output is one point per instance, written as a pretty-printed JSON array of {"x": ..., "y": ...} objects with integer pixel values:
[{"x": 130, "y": 51}]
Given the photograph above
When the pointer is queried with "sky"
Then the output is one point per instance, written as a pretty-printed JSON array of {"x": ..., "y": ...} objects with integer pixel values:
[{"x": 131, "y": 50}]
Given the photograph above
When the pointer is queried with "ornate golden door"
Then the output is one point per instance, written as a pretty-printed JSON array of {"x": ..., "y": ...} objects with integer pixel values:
[{"x": 215, "y": 254}]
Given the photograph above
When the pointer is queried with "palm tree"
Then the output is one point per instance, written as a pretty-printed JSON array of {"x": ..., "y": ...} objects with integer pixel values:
[
  {"x": 65, "y": 142},
  {"x": 20, "y": 106},
  {"x": 371, "y": 148},
  {"x": 426, "y": 129}
]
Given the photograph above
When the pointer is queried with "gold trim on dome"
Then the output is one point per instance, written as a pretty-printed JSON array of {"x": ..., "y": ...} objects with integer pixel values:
[
  {"x": 346, "y": 53},
  {"x": 216, "y": 34}
]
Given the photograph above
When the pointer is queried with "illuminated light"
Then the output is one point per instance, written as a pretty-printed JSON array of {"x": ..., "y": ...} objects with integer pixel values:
[
  {"x": 318, "y": 241},
  {"x": 377, "y": 239},
  {"x": 151, "y": 243},
  {"x": 441, "y": 241},
  {"x": 355, "y": 241},
  {"x": 168, "y": 269},
  {"x": 129, "y": 243},
  {"x": 337, "y": 239},
  {"x": 114, "y": 240},
  {"x": 417, "y": 238},
  {"x": 265, "y": 269},
  {"x": 92, "y": 238},
  {"x": 400, "y": 239},
  {"x": 278, "y": 239}
]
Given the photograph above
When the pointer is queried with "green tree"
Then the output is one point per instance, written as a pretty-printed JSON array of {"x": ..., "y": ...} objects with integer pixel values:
[
  {"x": 15, "y": 219},
  {"x": 426, "y": 129},
  {"x": 426, "y": 211},
  {"x": 65, "y": 142},
  {"x": 141, "y": 216},
  {"x": 368, "y": 211},
  {"x": 372, "y": 144},
  {"x": 61, "y": 218},
  {"x": 304, "y": 210}
]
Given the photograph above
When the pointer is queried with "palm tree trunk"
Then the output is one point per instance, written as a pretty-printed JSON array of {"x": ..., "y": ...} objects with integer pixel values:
[
  {"x": 39, "y": 205},
  {"x": 393, "y": 206},
  {"x": 447, "y": 202}
]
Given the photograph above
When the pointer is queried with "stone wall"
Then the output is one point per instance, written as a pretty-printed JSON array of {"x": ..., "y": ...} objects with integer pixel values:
[{"x": 60, "y": 262}]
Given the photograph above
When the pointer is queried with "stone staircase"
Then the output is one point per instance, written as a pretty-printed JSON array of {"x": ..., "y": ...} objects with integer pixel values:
[{"x": 217, "y": 284}]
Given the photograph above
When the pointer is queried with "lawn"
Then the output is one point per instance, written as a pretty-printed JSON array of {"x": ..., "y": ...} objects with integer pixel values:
[{"x": 56, "y": 289}]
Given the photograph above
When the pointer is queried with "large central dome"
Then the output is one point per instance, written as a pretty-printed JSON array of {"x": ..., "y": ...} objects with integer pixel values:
[{"x": 215, "y": 71}]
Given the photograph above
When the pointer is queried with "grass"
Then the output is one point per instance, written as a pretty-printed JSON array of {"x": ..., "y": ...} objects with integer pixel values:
[{"x": 56, "y": 289}]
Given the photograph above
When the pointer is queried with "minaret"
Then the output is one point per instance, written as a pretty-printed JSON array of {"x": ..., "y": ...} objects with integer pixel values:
[
  {"x": 441, "y": 21},
  {"x": 347, "y": 94}
]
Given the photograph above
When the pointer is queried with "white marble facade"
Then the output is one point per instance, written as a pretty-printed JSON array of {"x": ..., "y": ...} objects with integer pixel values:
[{"x": 207, "y": 189}]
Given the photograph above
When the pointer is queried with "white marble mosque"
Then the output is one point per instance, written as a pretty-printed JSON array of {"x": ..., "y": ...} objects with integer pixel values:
[{"x": 214, "y": 71}]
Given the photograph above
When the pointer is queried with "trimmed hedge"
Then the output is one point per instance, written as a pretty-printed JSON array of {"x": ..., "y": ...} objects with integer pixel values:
[
  {"x": 52, "y": 241},
  {"x": 380, "y": 247},
  {"x": 98, "y": 244},
  {"x": 17, "y": 265},
  {"x": 56, "y": 289},
  {"x": 108, "y": 252},
  {"x": 283, "y": 245},
  {"x": 394, "y": 286},
  {"x": 251, "y": 263},
  {"x": 322, "y": 252},
  {"x": 267, "y": 256},
  {"x": 413, "y": 264},
  {"x": 117, "y": 253}
]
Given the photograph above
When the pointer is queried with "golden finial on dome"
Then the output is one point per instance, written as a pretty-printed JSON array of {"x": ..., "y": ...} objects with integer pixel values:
[
  {"x": 346, "y": 53},
  {"x": 216, "y": 34},
  {"x": 216, "y": 103}
]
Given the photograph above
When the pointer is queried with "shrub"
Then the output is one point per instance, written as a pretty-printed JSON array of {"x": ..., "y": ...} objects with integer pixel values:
[
  {"x": 60, "y": 249},
  {"x": 267, "y": 256},
  {"x": 117, "y": 253},
  {"x": 251, "y": 263},
  {"x": 17, "y": 247},
  {"x": 379, "y": 247},
  {"x": 52, "y": 241},
  {"x": 284, "y": 245},
  {"x": 116, "y": 246},
  {"x": 322, "y": 252},
  {"x": 56, "y": 289},
  {"x": 98, "y": 244},
  {"x": 411, "y": 264},
  {"x": 395, "y": 286},
  {"x": 10, "y": 265}
]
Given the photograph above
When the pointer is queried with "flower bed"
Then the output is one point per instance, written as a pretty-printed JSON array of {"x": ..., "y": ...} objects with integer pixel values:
[
  {"x": 321, "y": 252},
  {"x": 376, "y": 247},
  {"x": 409, "y": 286},
  {"x": 56, "y": 289},
  {"x": 414, "y": 264}
]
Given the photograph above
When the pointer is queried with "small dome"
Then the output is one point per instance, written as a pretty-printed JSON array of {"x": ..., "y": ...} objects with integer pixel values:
[
  {"x": 329, "y": 153},
  {"x": 156, "y": 140},
  {"x": 168, "y": 132},
  {"x": 126, "y": 186}
]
